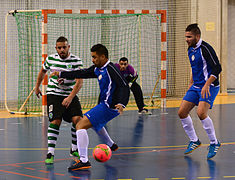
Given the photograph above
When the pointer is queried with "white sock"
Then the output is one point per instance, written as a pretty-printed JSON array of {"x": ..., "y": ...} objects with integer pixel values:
[
  {"x": 82, "y": 142},
  {"x": 210, "y": 130},
  {"x": 105, "y": 137},
  {"x": 189, "y": 129}
]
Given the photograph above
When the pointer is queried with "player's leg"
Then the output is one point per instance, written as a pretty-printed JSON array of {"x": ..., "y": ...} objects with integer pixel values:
[
  {"x": 207, "y": 123},
  {"x": 82, "y": 144},
  {"x": 138, "y": 95},
  {"x": 52, "y": 135},
  {"x": 107, "y": 139},
  {"x": 74, "y": 149},
  {"x": 73, "y": 114},
  {"x": 188, "y": 103},
  {"x": 55, "y": 110},
  {"x": 97, "y": 117}
]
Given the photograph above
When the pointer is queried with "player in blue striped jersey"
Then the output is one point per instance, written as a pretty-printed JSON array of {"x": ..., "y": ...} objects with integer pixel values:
[
  {"x": 203, "y": 88},
  {"x": 114, "y": 96}
]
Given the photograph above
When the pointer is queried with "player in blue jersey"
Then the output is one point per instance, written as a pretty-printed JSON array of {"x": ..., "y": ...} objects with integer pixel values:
[
  {"x": 114, "y": 96},
  {"x": 203, "y": 88}
]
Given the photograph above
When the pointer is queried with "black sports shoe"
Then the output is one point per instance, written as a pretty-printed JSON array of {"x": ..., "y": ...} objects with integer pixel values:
[
  {"x": 114, "y": 147},
  {"x": 78, "y": 165},
  {"x": 145, "y": 111}
]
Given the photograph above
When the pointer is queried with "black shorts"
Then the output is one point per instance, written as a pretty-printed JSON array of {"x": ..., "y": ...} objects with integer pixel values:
[{"x": 56, "y": 110}]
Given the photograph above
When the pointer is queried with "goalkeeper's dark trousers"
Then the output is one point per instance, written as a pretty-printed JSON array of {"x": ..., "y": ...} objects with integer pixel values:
[{"x": 138, "y": 95}]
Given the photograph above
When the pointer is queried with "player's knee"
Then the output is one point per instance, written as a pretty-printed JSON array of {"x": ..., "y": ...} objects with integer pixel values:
[
  {"x": 84, "y": 123},
  {"x": 56, "y": 122},
  {"x": 182, "y": 114},
  {"x": 79, "y": 125},
  {"x": 76, "y": 119},
  {"x": 201, "y": 114}
]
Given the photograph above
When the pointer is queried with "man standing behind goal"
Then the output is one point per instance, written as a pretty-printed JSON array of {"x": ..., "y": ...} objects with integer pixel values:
[
  {"x": 62, "y": 101},
  {"x": 204, "y": 87}
]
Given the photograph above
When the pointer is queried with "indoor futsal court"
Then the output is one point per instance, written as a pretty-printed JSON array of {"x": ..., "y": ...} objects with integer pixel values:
[
  {"x": 160, "y": 47},
  {"x": 151, "y": 147}
]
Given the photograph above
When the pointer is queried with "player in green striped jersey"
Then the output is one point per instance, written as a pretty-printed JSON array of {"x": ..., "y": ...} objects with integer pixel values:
[{"x": 62, "y": 102}]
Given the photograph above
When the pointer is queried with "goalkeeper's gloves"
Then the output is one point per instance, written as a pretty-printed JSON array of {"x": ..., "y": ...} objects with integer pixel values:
[{"x": 131, "y": 78}]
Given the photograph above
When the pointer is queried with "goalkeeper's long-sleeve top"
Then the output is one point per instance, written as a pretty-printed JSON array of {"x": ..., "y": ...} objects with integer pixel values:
[{"x": 113, "y": 88}]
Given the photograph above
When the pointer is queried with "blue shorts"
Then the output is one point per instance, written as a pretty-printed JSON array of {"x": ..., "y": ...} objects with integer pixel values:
[
  {"x": 100, "y": 115},
  {"x": 194, "y": 95}
]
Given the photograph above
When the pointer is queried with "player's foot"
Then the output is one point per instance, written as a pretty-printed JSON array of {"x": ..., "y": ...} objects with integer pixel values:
[
  {"x": 145, "y": 111},
  {"x": 49, "y": 159},
  {"x": 114, "y": 147},
  {"x": 192, "y": 146},
  {"x": 78, "y": 165},
  {"x": 74, "y": 153},
  {"x": 213, "y": 148}
]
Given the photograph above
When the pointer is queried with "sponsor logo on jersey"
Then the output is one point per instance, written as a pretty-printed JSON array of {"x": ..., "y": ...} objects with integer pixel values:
[{"x": 51, "y": 108}]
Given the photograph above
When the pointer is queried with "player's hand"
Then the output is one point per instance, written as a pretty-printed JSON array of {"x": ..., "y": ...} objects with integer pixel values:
[
  {"x": 60, "y": 81},
  {"x": 38, "y": 92},
  {"x": 66, "y": 102},
  {"x": 55, "y": 73},
  {"x": 119, "y": 107},
  {"x": 205, "y": 93}
]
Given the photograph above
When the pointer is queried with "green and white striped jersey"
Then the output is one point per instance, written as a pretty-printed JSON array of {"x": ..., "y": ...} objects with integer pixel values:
[{"x": 55, "y": 63}]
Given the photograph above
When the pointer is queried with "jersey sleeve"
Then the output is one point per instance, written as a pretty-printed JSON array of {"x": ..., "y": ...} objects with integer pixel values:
[
  {"x": 79, "y": 64},
  {"x": 132, "y": 70},
  {"x": 82, "y": 73},
  {"x": 122, "y": 88},
  {"x": 210, "y": 56},
  {"x": 46, "y": 65}
]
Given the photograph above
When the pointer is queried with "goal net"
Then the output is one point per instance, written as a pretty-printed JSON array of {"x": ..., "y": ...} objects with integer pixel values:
[{"x": 135, "y": 36}]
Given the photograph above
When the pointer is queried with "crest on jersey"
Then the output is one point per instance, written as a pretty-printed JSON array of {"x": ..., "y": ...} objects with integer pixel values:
[
  {"x": 100, "y": 77},
  {"x": 193, "y": 57},
  {"x": 69, "y": 66},
  {"x": 50, "y": 115}
]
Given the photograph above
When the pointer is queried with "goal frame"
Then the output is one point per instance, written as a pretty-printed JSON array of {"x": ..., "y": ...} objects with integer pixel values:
[{"x": 44, "y": 36}]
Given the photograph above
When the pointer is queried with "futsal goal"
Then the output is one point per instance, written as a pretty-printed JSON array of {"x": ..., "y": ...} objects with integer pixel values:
[{"x": 30, "y": 36}]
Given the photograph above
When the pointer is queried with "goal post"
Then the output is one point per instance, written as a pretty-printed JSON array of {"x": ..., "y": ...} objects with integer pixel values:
[{"x": 139, "y": 35}]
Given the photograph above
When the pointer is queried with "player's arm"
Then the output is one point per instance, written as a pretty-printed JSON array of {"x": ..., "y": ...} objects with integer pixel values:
[
  {"x": 212, "y": 59},
  {"x": 133, "y": 74},
  {"x": 66, "y": 102},
  {"x": 82, "y": 73},
  {"x": 40, "y": 77},
  {"x": 123, "y": 90}
]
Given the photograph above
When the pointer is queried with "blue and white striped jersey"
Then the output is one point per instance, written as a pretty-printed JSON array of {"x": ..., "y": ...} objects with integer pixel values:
[{"x": 204, "y": 63}]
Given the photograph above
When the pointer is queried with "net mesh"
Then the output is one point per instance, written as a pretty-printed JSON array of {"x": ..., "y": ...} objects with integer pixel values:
[{"x": 135, "y": 36}]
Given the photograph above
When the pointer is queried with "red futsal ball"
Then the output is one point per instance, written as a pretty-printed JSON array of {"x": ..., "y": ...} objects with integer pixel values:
[{"x": 102, "y": 153}]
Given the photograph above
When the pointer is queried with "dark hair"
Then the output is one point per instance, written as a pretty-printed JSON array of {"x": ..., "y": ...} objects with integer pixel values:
[
  {"x": 62, "y": 39},
  {"x": 100, "y": 50},
  {"x": 193, "y": 28},
  {"x": 123, "y": 59}
]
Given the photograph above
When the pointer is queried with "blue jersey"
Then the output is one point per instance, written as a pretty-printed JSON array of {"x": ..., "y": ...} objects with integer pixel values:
[
  {"x": 204, "y": 63},
  {"x": 113, "y": 88}
]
